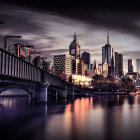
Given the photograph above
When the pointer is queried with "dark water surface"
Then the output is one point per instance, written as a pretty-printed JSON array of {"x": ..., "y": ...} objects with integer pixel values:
[{"x": 86, "y": 118}]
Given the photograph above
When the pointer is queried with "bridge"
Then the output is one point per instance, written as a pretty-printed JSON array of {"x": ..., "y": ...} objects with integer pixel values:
[{"x": 18, "y": 73}]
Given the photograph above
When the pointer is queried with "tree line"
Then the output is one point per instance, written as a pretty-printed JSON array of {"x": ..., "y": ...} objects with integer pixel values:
[{"x": 101, "y": 83}]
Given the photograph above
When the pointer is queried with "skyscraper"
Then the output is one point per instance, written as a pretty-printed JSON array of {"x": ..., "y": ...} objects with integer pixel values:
[
  {"x": 74, "y": 48},
  {"x": 137, "y": 65},
  {"x": 86, "y": 57},
  {"x": 130, "y": 65},
  {"x": 108, "y": 56},
  {"x": 118, "y": 64}
]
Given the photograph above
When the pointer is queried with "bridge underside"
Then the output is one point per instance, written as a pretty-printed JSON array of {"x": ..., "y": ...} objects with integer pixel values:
[{"x": 37, "y": 90}]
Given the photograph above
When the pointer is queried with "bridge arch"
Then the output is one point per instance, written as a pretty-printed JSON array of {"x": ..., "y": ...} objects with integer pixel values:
[{"x": 8, "y": 87}]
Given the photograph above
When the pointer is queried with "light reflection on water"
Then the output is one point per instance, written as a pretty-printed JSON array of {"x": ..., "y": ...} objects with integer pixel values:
[{"x": 99, "y": 118}]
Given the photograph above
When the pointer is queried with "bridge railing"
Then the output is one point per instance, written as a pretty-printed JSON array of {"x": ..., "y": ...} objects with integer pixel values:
[{"x": 12, "y": 65}]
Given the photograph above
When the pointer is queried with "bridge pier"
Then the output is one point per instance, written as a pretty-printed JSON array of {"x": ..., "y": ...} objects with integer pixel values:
[
  {"x": 72, "y": 92},
  {"x": 42, "y": 93},
  {"x": 64, "y": 93}
]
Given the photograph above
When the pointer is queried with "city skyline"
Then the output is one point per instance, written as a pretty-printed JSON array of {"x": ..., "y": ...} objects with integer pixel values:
[{"x": 52, "y": 32}]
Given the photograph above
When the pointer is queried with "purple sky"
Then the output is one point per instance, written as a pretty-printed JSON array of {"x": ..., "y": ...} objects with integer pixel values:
[{"x": 51, "y": 32}]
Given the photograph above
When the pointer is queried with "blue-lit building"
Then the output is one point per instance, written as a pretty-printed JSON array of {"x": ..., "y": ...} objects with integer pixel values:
[{"x": 109, "y": 57}]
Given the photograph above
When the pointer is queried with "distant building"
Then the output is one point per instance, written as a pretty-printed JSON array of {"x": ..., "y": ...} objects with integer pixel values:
[
  {"x": 63, "y": 64},
  {"x": 132, "y": 75},
  {"x": 90, "y": 66},
  {"x": 109, "y": 56},
  {"x": 95, "y": 67},
  {"x": 100, "y": 71},
  {"x": 25, "y": 52},
  {"x": 74, "y": 48},
  {"x": 118, "y": 65},
  {"x": 130, "y": 65},
  {"x": 46, "y": 66},
  {"x": 90, "y": 72},
  {"x": 81, "y": 67},
  {"x": 86, "y": 57},
  {"x": 138, "y": 65}
]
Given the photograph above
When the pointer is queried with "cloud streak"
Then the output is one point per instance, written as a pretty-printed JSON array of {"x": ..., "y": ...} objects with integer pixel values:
[{"x": 52, "y": 32}]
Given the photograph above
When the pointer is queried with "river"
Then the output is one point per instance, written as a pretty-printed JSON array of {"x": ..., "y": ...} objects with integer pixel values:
[{"x": 86, "y": 118}]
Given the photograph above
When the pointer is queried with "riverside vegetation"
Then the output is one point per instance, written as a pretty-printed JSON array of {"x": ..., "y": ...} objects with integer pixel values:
[{"x": 110, "y": 84}]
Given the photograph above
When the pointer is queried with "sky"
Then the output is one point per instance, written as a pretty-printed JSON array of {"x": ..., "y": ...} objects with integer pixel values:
[{"x": 50, "y": 27}]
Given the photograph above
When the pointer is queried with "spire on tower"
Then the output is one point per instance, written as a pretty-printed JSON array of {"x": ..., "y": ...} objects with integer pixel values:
[
  {"x": 107, "y": 37},
  {"x": 75, "y": 38}
]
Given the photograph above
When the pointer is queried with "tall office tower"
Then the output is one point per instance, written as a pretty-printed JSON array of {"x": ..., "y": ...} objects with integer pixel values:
[
  {"x": 118, "y": 64},
  {"x": 109, "y": 56},
  {"x": 74, "y": 48},
  {"x": 81, "y": 67},
  {"x": 63, "y": 64},
  {"x": 138, "y": 65},
  {"x": 130, "y": 65},
  {"x": 86, "y": 57}
]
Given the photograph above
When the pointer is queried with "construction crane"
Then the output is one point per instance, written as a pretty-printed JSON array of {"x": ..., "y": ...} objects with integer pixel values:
[
  {"x": 7, "y": 37},
  {"x": 19, "y": 46}
]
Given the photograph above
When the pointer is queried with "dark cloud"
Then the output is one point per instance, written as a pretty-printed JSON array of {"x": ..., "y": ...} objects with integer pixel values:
[{"x": 121, "y": 16}]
